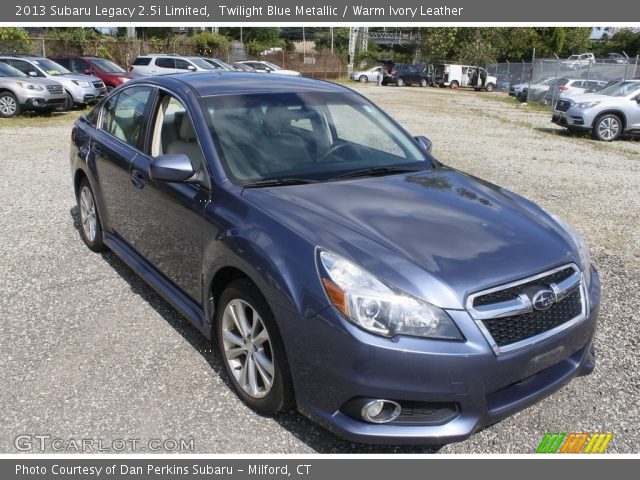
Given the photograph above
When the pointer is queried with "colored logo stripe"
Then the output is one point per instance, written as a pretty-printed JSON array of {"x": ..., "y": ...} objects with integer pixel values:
[{"x": 574, "y": 442}]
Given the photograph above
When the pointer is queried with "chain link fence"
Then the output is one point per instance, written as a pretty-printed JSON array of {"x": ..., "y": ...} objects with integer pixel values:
[
  {"x": 544, "y": 80},
  {"x": 124, "y": 52}
]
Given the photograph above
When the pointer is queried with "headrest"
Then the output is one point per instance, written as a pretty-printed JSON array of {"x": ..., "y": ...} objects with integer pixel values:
[{"x": 187, "y": 132}]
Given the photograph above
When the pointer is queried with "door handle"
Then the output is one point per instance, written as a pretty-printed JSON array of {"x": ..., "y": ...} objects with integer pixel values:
[{"x": 137, "y": 178}]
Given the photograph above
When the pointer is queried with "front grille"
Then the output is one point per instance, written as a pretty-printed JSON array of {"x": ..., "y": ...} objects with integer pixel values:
[
  {"x": 98, "y": 85},
  {"x": 563, "y": 105},
  {"x": 55, "y": 89},
  {"x": 520, "y": 327},
  {"x": 512, "y": 292}
]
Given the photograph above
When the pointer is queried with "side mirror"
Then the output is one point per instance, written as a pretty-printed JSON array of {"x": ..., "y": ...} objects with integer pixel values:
[
  {"x": 32, "y": 73},
  {"x": 191, "y": 68},
  {"x": 172, "y": 167},
  {"x": 424, "y": 142},
  {"x": 268, "y": 69}
]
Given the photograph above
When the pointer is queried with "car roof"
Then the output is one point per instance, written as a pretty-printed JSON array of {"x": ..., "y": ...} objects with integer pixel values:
[{"x": 230, "y": 83}]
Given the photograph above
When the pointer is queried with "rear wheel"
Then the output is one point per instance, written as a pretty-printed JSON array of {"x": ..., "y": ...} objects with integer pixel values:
[
  {"x": 363, "y": 79},
  {"x": 90, "y": 226},
  {"x": 607, "y": 127},
  {"x": 252, "y": 350},
  {"x": 490, "y": 87},
  {"x": 9, "y": 106},
  {"x": 423, "y": 82},
  {"x": 68, "y": 104},
  {"x": 400, "y": 82}
]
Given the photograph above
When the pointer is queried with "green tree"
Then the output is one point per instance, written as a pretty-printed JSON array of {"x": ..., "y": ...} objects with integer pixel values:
[{"x": 14, "y": 40}]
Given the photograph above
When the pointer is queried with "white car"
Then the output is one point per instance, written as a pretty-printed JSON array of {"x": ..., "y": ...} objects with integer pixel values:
[
  {"x": 268, "y": 67},
  {"x": 167, "y": 64},
  {"x": 365, "y": 76},
  {"x": 566, "y": 87},
  {"x": 580, "y": 61}
]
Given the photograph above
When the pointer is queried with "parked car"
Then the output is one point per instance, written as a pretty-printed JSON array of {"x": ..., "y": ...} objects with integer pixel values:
[
  {"x": 536, "y": 92},
  {"x": 110, "y": 73},
  {"x": 242, "y": 67},
  {"x": 20, "y": 93},
  {"x": 342, "y": 268},
  {"x": 565, "y": 87},
  {"x": 218, "y": 64},
  {"x": 364, "y": 76},
  {"x": 268, "y": 67},
  {"x": 607, "y": 114},
  {"x": 168, "y": 64},
  {"x": 515, "y": 90},
  {"x": 79, "y": 89},
  {"x": 618, "y": 58},
  {"x": 582, "y": 60},
  {"x": 455, "y": 76},
  {"x": 410, "y": 74}
]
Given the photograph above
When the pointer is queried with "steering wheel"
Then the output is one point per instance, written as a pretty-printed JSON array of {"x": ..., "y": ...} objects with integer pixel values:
[{"x": 336, "y": 148}]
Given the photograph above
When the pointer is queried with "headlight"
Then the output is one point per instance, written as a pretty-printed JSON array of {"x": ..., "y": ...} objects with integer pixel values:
[
  {"x": 82, "y": 84},
  {"x": 586, "y": 105},
  {"x": 579, "y": 242},
  {"x": 377, "y": 308},
  {"x": 30, "y": 86}
]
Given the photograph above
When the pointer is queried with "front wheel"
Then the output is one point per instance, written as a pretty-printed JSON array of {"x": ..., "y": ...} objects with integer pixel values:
[
  {"x": 252, "y": 350},
  {"x": 423, "y": 82},
  {"x": 69, "y": 103},
  {"x": 9, "y": 106},
  {"x": 490, "y": 87},
  {"x": 454, "y": 84},
  {"x": 607, "y": 128},
  {"x": 363, "y": 79},
  {"x": 400, "y": 82}
]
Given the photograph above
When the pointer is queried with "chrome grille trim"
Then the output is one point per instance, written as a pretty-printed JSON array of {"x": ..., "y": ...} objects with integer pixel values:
[{"x": 522, "y": 305}]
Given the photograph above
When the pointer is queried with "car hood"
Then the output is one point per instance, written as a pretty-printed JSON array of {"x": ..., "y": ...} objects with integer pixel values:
[
  {"x": 74, "y": 78},
  {"x": 590, "y": 97},
  {"x": 35, "y": 80},
  {"x": 438, "y": 234}
]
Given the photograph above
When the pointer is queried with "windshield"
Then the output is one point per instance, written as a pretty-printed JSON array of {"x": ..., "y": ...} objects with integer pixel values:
[
  {"x": 201, "y": 63},
  {"x": 51, "y": 68},
  {"x": 9, "y": 71},
  {"x": 220, "y": 64},
  {"x": 107, "y": 66},
  {"x": 573, "y": 57},
  {"x": 306, "y": 136},
  {"x": 621, "y": 89}
]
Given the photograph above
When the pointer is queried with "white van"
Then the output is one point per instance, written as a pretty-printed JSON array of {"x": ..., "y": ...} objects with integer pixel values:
[{"x": 454, "y": 76}]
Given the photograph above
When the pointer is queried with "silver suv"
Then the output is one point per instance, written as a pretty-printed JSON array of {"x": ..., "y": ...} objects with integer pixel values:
[
  {"x": 167, "y": 64},
  {"x": 79, "y": 89},
  {"x": 607, "y": 114},
  {"x": 20, "y": 93}
]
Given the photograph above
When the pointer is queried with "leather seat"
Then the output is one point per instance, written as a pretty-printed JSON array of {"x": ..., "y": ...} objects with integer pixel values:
[{"x": 187, "y": 143}]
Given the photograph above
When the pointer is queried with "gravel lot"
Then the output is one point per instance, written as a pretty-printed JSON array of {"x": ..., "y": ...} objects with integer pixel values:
[{"x": 87, "y": 350}]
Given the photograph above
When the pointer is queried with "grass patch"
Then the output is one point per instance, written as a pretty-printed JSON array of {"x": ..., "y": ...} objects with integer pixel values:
[{"x": 34, "y": 119}]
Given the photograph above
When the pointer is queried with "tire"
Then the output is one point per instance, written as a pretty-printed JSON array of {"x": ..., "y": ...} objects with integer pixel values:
[
  {"x": 9, "y": 106},
  {"x": 399, "y": 82},
  {"x": 454, "y": 84},
  {"x": 69, "y": 103},
  {"x": 490, "y": 87},
  {"x": 423, "y": 82},
  {"x": 239, "y": 308},
  {"x": 607, "y": 127},
  {"x": 90, "y": 226},
  {"x": 363, "y": 79}
]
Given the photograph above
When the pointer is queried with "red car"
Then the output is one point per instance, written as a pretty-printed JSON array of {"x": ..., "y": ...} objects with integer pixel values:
[{"x": 110, "y": 73}]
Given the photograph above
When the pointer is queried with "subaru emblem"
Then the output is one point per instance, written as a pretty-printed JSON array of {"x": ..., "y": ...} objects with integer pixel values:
[{"x": 543, "y": 300}]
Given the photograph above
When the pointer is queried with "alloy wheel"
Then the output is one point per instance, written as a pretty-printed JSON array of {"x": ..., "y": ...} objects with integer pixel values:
[
  {"x": 88, "y": 213},
  {"x": 608, "y": 128},
  {"x": 247, "y": 348},
  {"x": 8, "y": 106}
]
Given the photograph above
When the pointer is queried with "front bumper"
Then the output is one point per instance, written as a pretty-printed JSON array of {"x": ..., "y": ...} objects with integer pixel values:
[
  {"x": 334, "y": 362},
  {"x": 41, "y": 100},
  {"x": 573, "y": 118}
]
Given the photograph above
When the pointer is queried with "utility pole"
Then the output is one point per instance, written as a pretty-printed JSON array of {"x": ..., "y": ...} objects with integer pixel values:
[{"x": 331, "y": 28}]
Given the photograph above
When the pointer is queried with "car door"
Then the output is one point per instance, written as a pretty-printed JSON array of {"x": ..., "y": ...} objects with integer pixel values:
[
  {"x": 633, "y": 113},
  {"x": 164, "y": 66},
  {"x": 167, "y": 218},
  {"x": 114, "y": 146},
  {"x": 183, "y": 65}
]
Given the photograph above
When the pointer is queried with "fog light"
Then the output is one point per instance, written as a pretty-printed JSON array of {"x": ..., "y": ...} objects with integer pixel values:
[{"x": 380, "y": 411}]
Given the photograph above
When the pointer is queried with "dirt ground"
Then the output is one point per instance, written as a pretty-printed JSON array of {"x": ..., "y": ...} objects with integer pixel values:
[{"x": 88, "y": 350}]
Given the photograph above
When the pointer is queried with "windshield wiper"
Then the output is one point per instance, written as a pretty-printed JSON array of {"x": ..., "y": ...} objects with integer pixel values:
[
  {"x": 377, "y": 171},
  {"x": 278, "y": 182}
]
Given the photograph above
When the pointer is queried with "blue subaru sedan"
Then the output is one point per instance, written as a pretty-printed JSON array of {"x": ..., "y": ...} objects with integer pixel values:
[{"x": 336, "y": 265}]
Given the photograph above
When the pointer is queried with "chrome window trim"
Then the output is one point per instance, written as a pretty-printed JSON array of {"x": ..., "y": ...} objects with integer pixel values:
[{"x": 569, "y": 284}]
